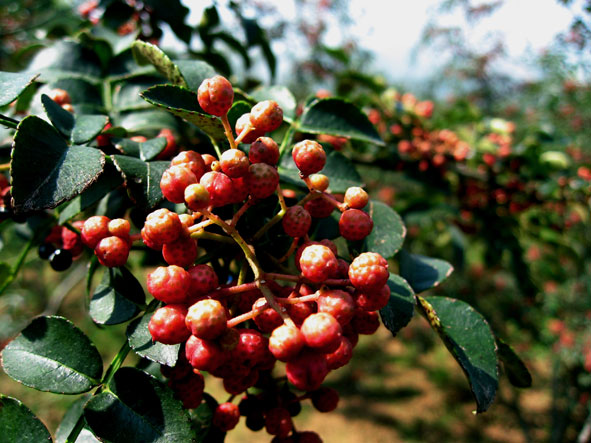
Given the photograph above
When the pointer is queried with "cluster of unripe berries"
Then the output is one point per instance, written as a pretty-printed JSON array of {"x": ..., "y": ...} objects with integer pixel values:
[{"x": 237, "y": 332}]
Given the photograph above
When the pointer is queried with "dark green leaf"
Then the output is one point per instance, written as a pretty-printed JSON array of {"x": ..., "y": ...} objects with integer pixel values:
[
  {"x": 13, "y": 85},
  {"x": 146, "y": 151},
  {"x": 45, "y": 171},
  {"x": 5, "y": 273},
  {"x": 515, "y": 369},
  {"x": 80, "y": 91},
  {"x": 237, "y": 110},
  {"x": 336, "y": 116},
  {"x": 18, "y": 424},
  {"x": 139, "y": 122},
  {"x": 341, "y": 171},
  {"x": 194, "y": 72},
  {"x": 51, "y": 354},
  {"x": 183, "y": 103},
  {"x": 137, "y": 408},
  {"x": 69, "y": 421},
  {"x": 116, "y": 298},
  {"x": 127, "y": 97},
  {"x": 388, "y": 231},
  {"x": 400, "y": 308},
  {"x": 281, "y": 95},
  {"x": 61, "y": 119},
  {"x": 148, "y": 53},
  {"x": 142, "y": 178},
  {"x": 202, "y": 420},
  {"x": 109, "y": 180},
  {"x": 422, "y": 272},
  {"x": 468, "y": 337},
  {"x": 141, "y": 342},
  {"x": 87, "y": 127}
]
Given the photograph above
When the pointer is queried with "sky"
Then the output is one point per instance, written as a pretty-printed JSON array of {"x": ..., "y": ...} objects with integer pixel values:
[{"x": 392, "y": 29}]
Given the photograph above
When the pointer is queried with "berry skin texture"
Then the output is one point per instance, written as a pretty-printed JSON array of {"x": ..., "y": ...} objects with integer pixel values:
[
  {"x": 307, "y": 371},
  {"x": 264, "y": 150},
  {"x": 319, "y": 207},
  {"x": 373, "y": 300},
  {"x": 266, "y": 116},
  {"x": 325, "y": 399},
  {"x": 215, "y": 95},
  {"x": 318, "y": 263},
  {"x": 203, "y": 280},
  {"x": 355, "y": 224},
  {"x": 309, "y": 157},
  {"x": 252, "y": 348},
  {"x": 262, "y": 180},
  {"x": 296, "y": 221},
  {"x": 356, "y": 197},
  {"x": 196, "y": 197},
  {"x": 341, "y": 356},
  {"x": 192, "y": 160},
  {"x": 112, "y": 251},
  {"x": 286, "y": 342},
  {"x": 219, "y": 186},
  {"x": 171, "y": 147},
  {"x": 206, "y": 319},
  {"x": 268, "y": 319},
  {"x": 162, "y": 226},
  {"x": 242, "y": 124},
  {"x": 71, "y": 240},
  {"x": 234, "y": 163},
  {"x": 181, "y": 252},
  {"x": 120, "y": 227},
  {"x": 95, "y": 228},
  {"x": 322, "y": 331},
  {"x": 169, "y": 284},
  {"x": 226, "y": 416},
  {"x": 278, "y": 422},
  {"x": 174, "y": 181},
  {"x": 189, "y": 389},
  {"x": 204, "y": 355},
  {"x": 337, "y": 303},
  {"x": 368, "y": 272},
  {"x": 319, "y": 182},
  {"x": 365, "y": 322},
  {"x": 167, "y": 325}
]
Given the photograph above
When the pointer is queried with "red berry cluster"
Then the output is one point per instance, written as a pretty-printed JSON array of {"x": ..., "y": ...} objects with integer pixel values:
[
  {"x": 237, "y": 331},
  {"x": 110, "y": 239}
]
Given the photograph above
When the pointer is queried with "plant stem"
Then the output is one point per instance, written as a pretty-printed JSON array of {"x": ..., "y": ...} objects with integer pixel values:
[
  {"x": 251, "y": 201},
  {"x": 8, "y": 122},
  {"x": 228, "y": 131},
  {"x": 17, "y": 266},
  {"x": 211, "y": 236},
  {"x": 5, "y": 167},
  {"x": 273, "y": 303},
  {"x": 116, "y": 363},
  {"x": 276, "y": 219},
  {"x": 73, "y": 436}
]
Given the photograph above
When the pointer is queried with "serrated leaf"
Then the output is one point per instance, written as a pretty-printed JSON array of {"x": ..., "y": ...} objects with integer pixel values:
[
  {"x": 51, "y": 354},
  {"x": 45, "y": 171},
  {"x": 116, "y": 298},
  {"x": 516, "y": 371},
  {"x": 137, "y": 408},
  {"x": 59, "y": 117},
  {"x": 388, "y": 231},
  {"x": 87, "y": 127},
  {"x": 142, "y": 178},
  {"x": 69, "y": 421},
  {"x": 183, "y": 103},
  {"x": 281, "y": 95},
  {"x": 18, "y": 423},
  {"x": 13, "y": 85},
  {"x": 141, "y": 342},
  {"x": 146, "y": 151},
  {"x": 400, "y": 308},
  {"x": 148, "y": 53},
  {"x": 194, "y": 72},
  {"x": 423, "y": 272},
  {"x": 109, "y": 180},
  {"x": 339, "y": 117},
  {"x": 470, "y": 340}
]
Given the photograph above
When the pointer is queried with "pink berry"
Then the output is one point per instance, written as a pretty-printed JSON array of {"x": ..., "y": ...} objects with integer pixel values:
[
  {"x": 174, "y": 181},
  {"x": 226, "y": 416},
  {"x": 181, "y": 252},
  {"x": 167, "y": 325},
  {"x": 356, "y": 197},
  {"x": 242, "y": 124},
  {"x": 234, "y": 163},
  {"x": 321, "y": 331},
  {"x": 264, "y": 150},
  {"x": 286, "y": 342},
  {"x": 215, "y": 95},
  {"x": 192, "y": 160},
  {"x": 112, "y": 251},
  {"x": 296, "y": 221},
  {"x": 318, "y": 263},
  {"x": 95, "y": 228},
  {"x": 355, "y": 224},
  {"x": 262, "y": 180},
  {"x": 219, "y": 186},
  {"x": 169, "y": 284},
  {"x": 207, "y": 319},
  {"x": 266, "y": 116},
  {"x": 309, "y": 157}
]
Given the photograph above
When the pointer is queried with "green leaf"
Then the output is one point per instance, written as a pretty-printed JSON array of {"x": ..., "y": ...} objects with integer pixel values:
[
  {"x": 145, "y": 53},
  {"x": 138, "y": 122},
  {"x": 116, "y": 298},
  {"x": 194, "y": 72},
  {"x": 146, "y": 151},
  {"x": 109, "y": 180},
  {"x": 137, "y": 408},
  {"x": 237, "y": 110},
  {"x": 17, "y": 423},
  {"x": 281, "y": 95},
  {"x": 69, "y": 421},
  {"x": 339, "y": 117},
  {"x": 51, "y": 354},
  {"x": 87, "y": 127},
  {"x": 59, "y": 117},
  {"x": 388, "y": 231},
  {"x": 127, "y": 97},
  {"x": 45, "y": 171},
  {"x": 203, "y": 418},
  {"x": 142, "y": 178},
  {"x": 5, "y": 273},
  {"x": 400, "y": 308},
  {"x": 13, "y": 85},
  {"x": 468, "y": 337},
  {"x": 183, "y": 103},
  {"x": 140, "y": 340},
  {"x": 423, "y": 272},
  {"x": 516, "y": 371}
]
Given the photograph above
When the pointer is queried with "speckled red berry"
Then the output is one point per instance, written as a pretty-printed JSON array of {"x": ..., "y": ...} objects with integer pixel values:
[
  {"x": 204, "y": 355},
  {"x": 262, "y": 180},
  {"x": 319, "y": 207},
  {"x": 174, "y": 181},
  {"x": 307, "y": 371},
  {"x": 309, "y": 157},
  {"x": 318, "y": 263},
  {"x": 196, "y": 197},
  {"x": 226, "y": 416},
  {"x": 321, "y": 331},
  {"x": 203, "y": 280},
  {"x": 365, "y": 322},
  {"x": 71, "y": 241},
  {"x": 264, "y": 150},
  {"x": 242, "y": 124},
  {"x": 373, "y": 300},
  {"x": 278, "y": 422},
  {"x": 337, "y": 303},
  {"x": 192, "y": 160},
  {"x": 266, "y": 116},
  {"x": 234, "y": 163},
  {"x": 319, "y": 182},
  {"x": 95, "y": 228},
  {"x": 181, "y": 252},
  {"x": 162, "y": 226},
  {"x": 267, "y": 318},
  {"x": 167, "y": 324},
  {"x": 169, "y": 284},
  {"x": 296, "y": 221},
  {"x": 252, "y": 347},
  {"x": 219, "y": 186},
  {"x": 112, "y": 251},
  {"x": 325, "y": 399},
  {"x": 286, "y": 342},
  {"x": 341, "y": 356},
  {"x": 355, "y": 224},
  {"x": 215, "y": 95},
  {"x": 120, "y": 227},
  {"x": 356, "y": 197},
  {"x": 368, "y": 272},
  {"x": 207, "y": 319}
]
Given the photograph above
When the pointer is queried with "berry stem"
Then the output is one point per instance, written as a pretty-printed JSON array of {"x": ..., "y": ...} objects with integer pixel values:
[
  {"x": 295, "y": 300},
  {"x": 228, "y": 131},
  {"x": 5, "y": 166},
  {"x": 276, "y": 219},
  {"x": 244, "y": 133},
  {"x": 17, "y": 266},
  {"x": 274, "y": 305},
  {"x": 297, "y": 279},
  {"x": 251, "y": 201},
  {"x": 199, "y": 226},
  {"x": 292, "y": 248},
  {"x": 242, "y": 274},
  {"x": 211, "y": 236},
  {"x": 8, "y": 122}
]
